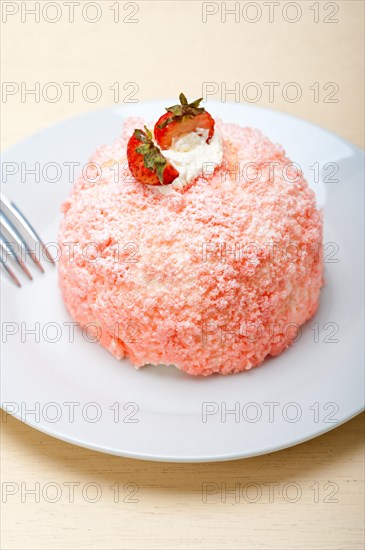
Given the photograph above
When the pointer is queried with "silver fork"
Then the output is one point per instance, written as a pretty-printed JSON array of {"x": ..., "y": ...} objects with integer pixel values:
[{"x": 17, "y": 236}]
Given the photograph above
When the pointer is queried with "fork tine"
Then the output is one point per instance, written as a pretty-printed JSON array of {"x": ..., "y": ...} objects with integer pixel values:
[
  {"x": 10, "y": 273},
  {"x": 13, "y": 235},
  {"x": 8, "y": 252},
  {"x": 16, "y": 217}
]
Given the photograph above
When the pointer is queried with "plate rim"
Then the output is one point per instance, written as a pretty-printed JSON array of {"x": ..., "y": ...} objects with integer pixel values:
[{"x": 189, "y": 460}]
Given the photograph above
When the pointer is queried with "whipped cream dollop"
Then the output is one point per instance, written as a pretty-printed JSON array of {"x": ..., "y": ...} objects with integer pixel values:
[{"x": 191, "y": 155}]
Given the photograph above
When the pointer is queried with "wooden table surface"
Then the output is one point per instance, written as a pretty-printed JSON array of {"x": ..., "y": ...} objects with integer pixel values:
[{"x": 145, "y": 50}]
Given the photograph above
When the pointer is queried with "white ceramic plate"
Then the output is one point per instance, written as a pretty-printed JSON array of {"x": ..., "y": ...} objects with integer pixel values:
[{"x": 81, "y": 394}]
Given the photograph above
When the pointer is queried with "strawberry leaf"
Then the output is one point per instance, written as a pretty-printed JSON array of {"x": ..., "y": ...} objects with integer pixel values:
[
  {"x": 183, "y": 99},
  {"x": 184, "y": 109},
  {"x": 195, "y": 104},
  {"x": 153, "y": 159},
  {"x": 166, "y": 122},
  {"x": 148, "y": 133},
  {"x": 140, "y": 135}
]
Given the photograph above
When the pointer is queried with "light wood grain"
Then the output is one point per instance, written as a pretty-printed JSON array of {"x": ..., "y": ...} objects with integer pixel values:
[{"x": 170, "y": 512}]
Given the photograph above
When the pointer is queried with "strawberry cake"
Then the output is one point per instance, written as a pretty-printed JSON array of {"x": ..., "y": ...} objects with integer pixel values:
[{"x": 196, "y": 244}]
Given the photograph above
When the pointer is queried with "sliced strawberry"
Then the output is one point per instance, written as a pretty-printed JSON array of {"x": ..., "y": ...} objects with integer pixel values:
[
  {"x": 182, "y": 119},
  {"x": 146, "y": 162}
]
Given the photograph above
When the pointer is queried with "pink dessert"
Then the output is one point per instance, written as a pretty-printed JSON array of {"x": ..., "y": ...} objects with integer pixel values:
[{"x": 212, "y": 274}]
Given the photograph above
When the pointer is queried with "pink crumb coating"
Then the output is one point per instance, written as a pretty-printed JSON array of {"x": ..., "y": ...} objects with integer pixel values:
[{"x": 211, "y": 279}]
